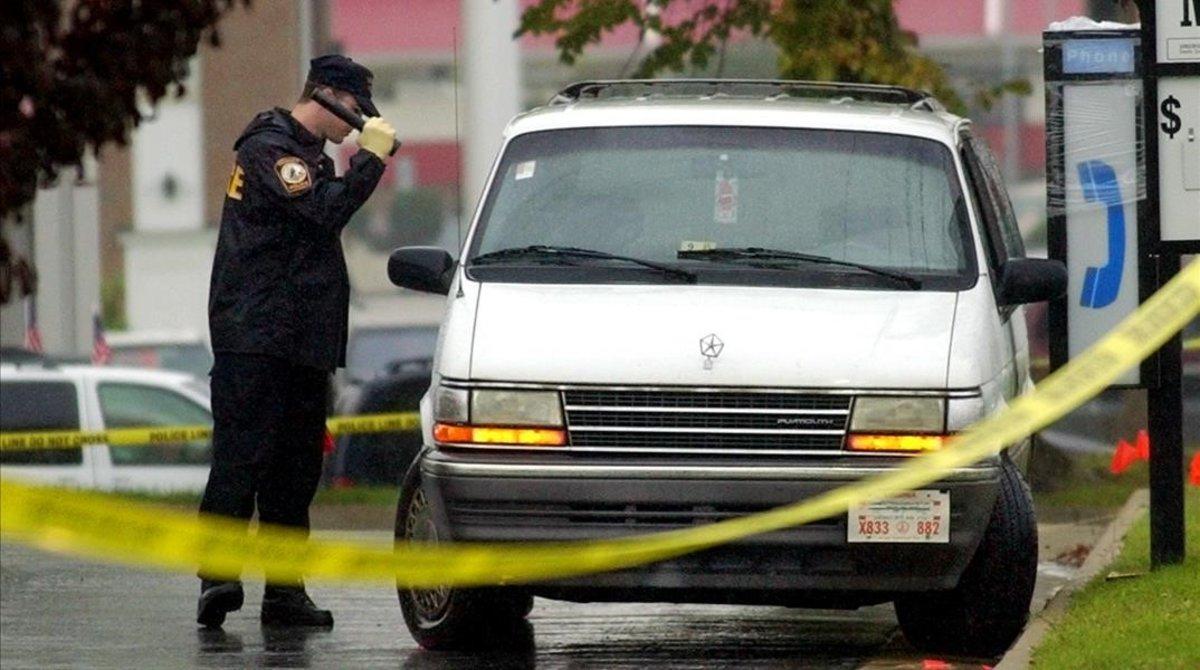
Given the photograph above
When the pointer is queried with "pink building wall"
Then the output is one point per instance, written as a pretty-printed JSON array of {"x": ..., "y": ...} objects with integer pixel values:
[{"x": 398, "y": 26}]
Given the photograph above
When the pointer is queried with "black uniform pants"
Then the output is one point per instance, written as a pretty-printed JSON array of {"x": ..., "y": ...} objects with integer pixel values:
[{"x": 268, "y": 433}]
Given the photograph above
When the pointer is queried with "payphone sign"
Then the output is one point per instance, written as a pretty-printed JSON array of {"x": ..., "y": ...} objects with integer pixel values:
[
  {"x": 1108, "y": 56},
  {"x": 1100, "y": 152}
]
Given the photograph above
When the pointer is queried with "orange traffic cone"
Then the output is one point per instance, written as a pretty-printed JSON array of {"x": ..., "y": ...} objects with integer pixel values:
[{"x": 1194, "y": 471}]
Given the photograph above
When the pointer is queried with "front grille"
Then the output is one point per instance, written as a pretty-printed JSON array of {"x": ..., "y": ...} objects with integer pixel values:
[
  {"x": 542, "y": 515},
  {"x": 705, "y": 422},
  {"x": 714, "y": 420},
  {"x": 708, "y": 399},
  {"x": 706, "y": 441}
]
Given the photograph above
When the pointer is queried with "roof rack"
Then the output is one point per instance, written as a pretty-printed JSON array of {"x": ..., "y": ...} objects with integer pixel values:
[{"x": 746, "y": 88}]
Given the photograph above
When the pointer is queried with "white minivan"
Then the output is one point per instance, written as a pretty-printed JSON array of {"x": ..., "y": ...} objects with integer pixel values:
[
  {"x": 36, "y": 395},
  {"x": 686, "y": 301}
]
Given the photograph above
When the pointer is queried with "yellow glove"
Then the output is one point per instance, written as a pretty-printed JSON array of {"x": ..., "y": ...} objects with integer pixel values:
[{"x": 377, "y": 136}]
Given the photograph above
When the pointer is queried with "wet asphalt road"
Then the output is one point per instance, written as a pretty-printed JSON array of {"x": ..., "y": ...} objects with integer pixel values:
[{"x": 61, "y": 612}]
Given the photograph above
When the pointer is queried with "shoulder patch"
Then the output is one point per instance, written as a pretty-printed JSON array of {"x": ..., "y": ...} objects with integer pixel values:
[
  {"x": 293, "y": 174},
  {"x": 237, "y": 180}
]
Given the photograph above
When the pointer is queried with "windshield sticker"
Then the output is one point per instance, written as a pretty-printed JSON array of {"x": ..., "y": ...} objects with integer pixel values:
[
  {"x": 725, "y": 210},
  {"x": 693, "y": 245},
  {"x": 525, "y": 170}
]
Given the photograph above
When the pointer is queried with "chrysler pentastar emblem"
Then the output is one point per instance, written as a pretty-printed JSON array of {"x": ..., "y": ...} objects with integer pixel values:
[{"x": 711, "y": 346}]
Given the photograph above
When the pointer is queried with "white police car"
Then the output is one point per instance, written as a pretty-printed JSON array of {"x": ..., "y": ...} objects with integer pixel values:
[{"x": 36, "y": 395}]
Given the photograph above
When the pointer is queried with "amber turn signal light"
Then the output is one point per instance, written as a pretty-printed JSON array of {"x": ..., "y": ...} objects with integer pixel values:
[
  {"x": 896, "y": 443},
  {"x": 499, "y": 435}
]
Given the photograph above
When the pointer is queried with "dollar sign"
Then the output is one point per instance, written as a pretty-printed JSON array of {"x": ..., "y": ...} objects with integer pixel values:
[{"x": 1173, "y": 123}]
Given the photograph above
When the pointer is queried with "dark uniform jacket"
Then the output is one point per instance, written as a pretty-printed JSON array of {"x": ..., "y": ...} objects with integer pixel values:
[{"x": 279, "y": 283}]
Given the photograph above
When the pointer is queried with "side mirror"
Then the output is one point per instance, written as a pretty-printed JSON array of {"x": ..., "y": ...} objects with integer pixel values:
[
  {"x": 427, "y": 269},
  {"x": 1027, "y": 280}
]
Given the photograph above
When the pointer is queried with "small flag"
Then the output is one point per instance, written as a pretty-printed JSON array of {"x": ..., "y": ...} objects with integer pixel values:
[
  {"x": 33, "y": 336},
  {"x": 1143, "y": 445},
  {"x": 100, "y": 351},
  {"x": 1125, "y": 456},
  {"x": 1128, "y": 454},
  {"x": 1194, "y": 471}
]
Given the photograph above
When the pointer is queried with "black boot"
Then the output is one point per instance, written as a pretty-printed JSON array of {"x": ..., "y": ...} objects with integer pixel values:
[
  {"x": 217, "y": 598},
  {"x": 291, "y": 606}
]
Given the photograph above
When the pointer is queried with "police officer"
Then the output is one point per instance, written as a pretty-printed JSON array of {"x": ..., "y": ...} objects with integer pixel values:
[{"x": 277, "y": 313}]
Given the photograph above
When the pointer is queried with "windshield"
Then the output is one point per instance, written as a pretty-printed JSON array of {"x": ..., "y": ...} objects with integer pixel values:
[
  {"x": 889, "y": 201},
  {"x": 372, "y": 350}
]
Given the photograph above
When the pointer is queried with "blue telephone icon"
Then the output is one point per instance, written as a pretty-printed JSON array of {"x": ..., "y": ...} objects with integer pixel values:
[{"x": 1102, "y": 284}]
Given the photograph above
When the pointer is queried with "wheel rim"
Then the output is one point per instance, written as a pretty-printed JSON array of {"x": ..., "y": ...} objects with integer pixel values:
[{"x": 431, "y": 604}]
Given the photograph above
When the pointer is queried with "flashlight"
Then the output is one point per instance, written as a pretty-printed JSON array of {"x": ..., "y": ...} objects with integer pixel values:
[{"x": 339, "y": 110}]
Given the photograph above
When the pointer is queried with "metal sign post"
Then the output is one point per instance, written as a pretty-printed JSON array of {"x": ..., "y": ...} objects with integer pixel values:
[{"x": 1171, "y": 70}]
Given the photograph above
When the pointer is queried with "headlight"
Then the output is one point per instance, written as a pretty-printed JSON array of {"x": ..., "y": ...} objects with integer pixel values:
[
  {"x": 515, "y": 408},
  {"x": 498, "y": 419},
  {"x": 882, "y": 414}
]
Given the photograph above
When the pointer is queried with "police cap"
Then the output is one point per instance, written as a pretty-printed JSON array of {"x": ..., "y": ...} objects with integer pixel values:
[{"x": 343, "y": 74}]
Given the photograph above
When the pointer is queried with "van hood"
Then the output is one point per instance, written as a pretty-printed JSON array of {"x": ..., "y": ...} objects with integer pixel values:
[{"x": 585, "y": 334}]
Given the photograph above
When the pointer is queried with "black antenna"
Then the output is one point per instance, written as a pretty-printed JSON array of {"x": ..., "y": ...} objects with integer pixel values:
[{"x": 458, "y": 148}]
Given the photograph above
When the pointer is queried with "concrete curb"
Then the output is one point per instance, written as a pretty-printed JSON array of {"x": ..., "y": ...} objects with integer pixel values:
[{"x": 1101, "y": 556}]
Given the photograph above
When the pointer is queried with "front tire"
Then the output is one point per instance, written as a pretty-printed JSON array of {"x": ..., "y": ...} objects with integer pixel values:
[
  {"x": 445, "y": 618},
  {"x": 985, "y": 613}
]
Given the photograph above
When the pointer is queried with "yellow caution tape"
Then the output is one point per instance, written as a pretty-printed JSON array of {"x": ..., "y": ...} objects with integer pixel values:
[
  {"x": 125, "y": 437},
  {"x": 151, "y": 435},
  {"x": 103, "y": 526},
  {"x": 374, "y": 423}
]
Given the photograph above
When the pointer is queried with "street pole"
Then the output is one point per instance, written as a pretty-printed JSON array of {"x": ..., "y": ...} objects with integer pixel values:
[
  {"x": 1165, "y": 409},
  {"x": 1011, "y": 103},
  {"x": 491, "y": 79},
  {"x": 1164, "y": 395}
]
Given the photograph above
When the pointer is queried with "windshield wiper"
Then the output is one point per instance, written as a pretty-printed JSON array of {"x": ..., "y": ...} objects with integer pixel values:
[
  {"x": 737, "y": 254},
  {"x": 545, "y": 251}
]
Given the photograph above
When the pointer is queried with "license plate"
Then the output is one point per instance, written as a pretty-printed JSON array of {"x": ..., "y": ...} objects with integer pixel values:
[{"x": 913, "y": 516}]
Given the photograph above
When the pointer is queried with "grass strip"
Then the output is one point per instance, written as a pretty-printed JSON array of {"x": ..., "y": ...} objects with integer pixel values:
[{"x": 1151, "y": 620}]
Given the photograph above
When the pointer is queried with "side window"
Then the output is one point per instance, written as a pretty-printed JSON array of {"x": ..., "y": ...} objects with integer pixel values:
[
  {"x": 127, "y": 405},
  {"x": 35, "y": 406},
  {"x": 988, "y": 212},
  {"x": 1010, "y": 233}
]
